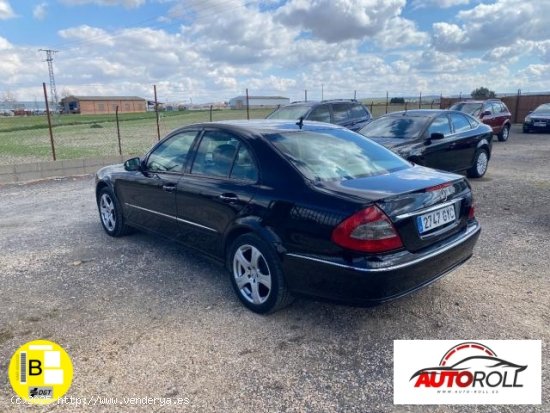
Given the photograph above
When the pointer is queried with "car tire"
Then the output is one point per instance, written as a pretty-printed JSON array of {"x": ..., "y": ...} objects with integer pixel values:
[
  {"x": 504, "y": 133},
  {"x": 110, "y": 214},
  {"x": 480, "y": 165},
  {"x": 526, "y": 130},
  {"x": 257, "y": 275}
]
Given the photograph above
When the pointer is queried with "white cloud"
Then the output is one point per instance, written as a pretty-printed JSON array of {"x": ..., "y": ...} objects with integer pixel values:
[
  {"x": 39, "y": 11},
  {"x": 87, "y": 34},
  {"x": 125, "y": 3},
  {"x": 498, "y": 24},
  {"x": 443, "y": 4},
  {"x": 337, "y": 20},
  {"x": 6, "y": 12}
]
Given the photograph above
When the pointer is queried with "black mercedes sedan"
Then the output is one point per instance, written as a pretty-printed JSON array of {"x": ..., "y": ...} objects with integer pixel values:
[
  {"x": 289, "y": 208},
  {"x": 442, "y": 139}
]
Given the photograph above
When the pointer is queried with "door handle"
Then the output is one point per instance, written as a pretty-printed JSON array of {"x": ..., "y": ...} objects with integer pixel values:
[
  {"x": 169, "y": 187},
  {"x": 228, "y": 197}
]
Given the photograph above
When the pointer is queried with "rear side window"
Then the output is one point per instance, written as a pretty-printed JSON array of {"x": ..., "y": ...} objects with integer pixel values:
[
  {"x": 340, "y": 111},
  {"x": 222, "y": 155},
  {"x": 215, "y": 154},
  {"x": 358, "y": 112},
  {"x": 440, "y": 125},
  {"x": 460, "y": 123},
  {"x": 320, "y": 114}
]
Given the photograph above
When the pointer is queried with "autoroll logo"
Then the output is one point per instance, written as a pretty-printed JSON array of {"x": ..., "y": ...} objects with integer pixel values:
[{"x": 468, "y": 372}]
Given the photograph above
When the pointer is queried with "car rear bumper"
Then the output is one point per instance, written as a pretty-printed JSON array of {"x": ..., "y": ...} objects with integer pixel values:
[
  {"x": 532, "y": 127},
  {"x": 374, "y": 281}
]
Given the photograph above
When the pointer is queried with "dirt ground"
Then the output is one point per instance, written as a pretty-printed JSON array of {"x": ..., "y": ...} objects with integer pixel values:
[{"x": 141, "y": 317}]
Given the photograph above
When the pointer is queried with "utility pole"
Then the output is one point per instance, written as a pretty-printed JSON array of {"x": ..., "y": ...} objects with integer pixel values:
[{"x": 53, "y": 90}]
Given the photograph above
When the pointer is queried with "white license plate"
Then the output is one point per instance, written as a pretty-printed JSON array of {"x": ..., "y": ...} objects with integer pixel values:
[
  {"x": 540, "y": 124},
  {"x": 435, "y": 219}
]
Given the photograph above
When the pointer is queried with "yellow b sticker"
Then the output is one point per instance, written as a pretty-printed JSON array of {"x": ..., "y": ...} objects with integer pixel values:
[{"x": 40, "y": 372}]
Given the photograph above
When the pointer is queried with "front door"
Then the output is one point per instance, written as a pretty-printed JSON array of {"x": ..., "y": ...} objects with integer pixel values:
[{"x": 149, "y": 201}]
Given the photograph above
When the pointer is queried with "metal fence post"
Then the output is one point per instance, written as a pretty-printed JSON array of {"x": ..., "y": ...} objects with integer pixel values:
[
  {"x": 247, "y": 106},
  {"x": 157, "y": 112},
  {"x": 118, "y": 131},
  {"x": 210, "y": 113},
  {"x": 49, "y": 120}
]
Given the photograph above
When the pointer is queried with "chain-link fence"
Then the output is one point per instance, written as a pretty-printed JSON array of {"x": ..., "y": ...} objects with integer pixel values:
[{"x": 26, "y": 139}]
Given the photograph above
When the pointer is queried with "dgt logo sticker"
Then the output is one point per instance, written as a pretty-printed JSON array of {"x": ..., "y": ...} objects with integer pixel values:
[
  {"x": 40, "y": 372},
  {"x": 468, "y": 372}
]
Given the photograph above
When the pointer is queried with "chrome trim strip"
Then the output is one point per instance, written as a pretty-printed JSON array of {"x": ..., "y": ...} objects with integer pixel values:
[
  {"x": 196, "y": 225},
  {"x": 469, "y": 233},
  {"x": 170, "y": 217},
  {"x": 429, "y": 209}
]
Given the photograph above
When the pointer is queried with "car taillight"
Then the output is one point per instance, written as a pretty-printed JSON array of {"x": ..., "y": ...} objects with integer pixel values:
[
  {"x": 471, "y": 211},
  {"x": 368, "y": 230}
]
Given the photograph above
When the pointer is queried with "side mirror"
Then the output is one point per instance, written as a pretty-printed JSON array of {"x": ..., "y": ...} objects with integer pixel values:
[
  {"x": 436, "y": 136},
  {"x": 485, "y": 113},
  {"x": 133, "y": 164},
  {"x": 530, "y": 111}
]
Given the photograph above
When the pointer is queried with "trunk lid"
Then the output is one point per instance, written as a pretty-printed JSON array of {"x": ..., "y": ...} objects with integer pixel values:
[{"x": 406, "y": 195}]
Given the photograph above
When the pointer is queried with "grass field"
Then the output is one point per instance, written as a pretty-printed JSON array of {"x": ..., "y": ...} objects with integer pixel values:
[{"x": 26, "y": 139}]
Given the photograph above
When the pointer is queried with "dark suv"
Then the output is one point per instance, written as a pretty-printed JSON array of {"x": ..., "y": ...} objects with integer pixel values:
[
  {"x": 347, "y": 113},
  {"x": 492, "y": 112}
]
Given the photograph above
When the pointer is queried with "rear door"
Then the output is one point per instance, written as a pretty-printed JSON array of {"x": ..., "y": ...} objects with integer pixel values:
[
  {"x": 464, "y": 142},
  {"x": 490, "y": 119},
  {"x": 219, "y": 184},
  {"x": 437, "y": 153}
]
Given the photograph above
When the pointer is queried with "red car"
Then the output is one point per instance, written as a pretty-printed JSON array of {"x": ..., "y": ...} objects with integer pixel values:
[{"x": 492, "y": 112}]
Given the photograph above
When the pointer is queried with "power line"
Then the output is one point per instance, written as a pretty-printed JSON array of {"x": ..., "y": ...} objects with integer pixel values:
[{"x": 53, "y": 89}]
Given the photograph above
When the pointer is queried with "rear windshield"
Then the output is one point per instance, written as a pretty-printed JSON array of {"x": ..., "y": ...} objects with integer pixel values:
[
  {"x": 395, "y": 127},
  {"x": 290, "y": 112},
  {"x": 473, "y": 109},
  {"x": 545, "y": 108},
  {"x": 335, "y": 154}
]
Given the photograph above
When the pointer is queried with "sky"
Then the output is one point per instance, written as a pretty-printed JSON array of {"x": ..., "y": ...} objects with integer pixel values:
[{"x": 198, "y": 51}]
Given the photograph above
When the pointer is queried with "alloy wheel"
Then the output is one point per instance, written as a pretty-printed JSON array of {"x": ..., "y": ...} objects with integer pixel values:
[
  {"x": 252, "y": 274},
  {"x": 107, "y": 210}
]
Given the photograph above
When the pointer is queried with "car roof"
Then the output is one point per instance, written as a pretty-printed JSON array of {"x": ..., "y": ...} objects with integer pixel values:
[
  {"x": 425, "y": 113},
  {"x": 263, "y": 126},
  {"x": 478, "y": 100}
]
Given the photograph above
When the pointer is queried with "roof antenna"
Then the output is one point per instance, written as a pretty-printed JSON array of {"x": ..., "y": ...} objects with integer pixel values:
[{"x": 300, "y": 122}]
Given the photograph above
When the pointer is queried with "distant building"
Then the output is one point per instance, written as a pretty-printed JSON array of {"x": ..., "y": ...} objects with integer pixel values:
[
  {"x": 94, "y": 105},
  {"x": 239, "y": 102}
]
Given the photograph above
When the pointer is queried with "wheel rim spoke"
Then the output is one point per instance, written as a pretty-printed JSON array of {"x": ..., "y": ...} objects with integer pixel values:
[
  {"x": 255, "y": 293},
  {"x": 265, "y": 280},
  {"x": 242, "y": 281}
]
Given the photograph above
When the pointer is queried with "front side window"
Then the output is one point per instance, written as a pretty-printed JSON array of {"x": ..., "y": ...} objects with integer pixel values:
[
  {"x": 335, "y": 154},
  {"x": 171, "y": 155},
  {"x": 440, "y": 125}
]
